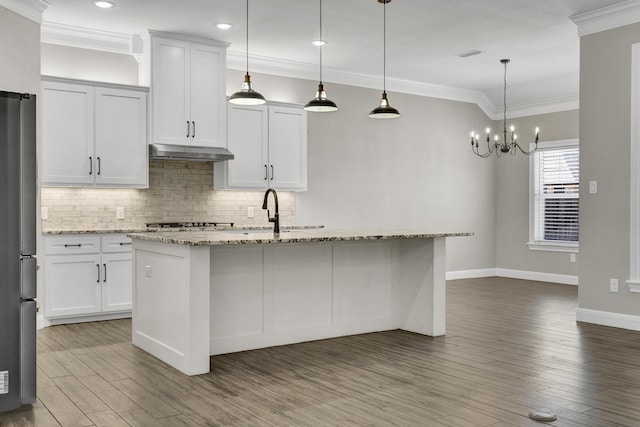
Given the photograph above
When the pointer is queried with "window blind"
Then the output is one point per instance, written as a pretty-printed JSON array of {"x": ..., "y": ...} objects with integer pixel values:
[{"x": 557, "y": 194}]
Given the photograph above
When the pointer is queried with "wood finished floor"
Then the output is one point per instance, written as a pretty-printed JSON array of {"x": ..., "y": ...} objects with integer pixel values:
[{"x": 511, "y": 346}]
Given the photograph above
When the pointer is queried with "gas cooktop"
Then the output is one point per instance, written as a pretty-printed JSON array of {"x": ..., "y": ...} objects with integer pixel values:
[{"x": 188, "y": 224}]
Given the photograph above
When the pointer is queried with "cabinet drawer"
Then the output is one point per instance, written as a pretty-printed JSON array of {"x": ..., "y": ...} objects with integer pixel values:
[
  {"x": 116, "y": 243},
  {"x": 69, "y": 245}
]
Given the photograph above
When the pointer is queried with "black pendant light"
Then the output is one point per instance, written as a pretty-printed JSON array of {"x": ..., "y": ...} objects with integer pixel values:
[
  {"x": 384, "y": 110},
  {"x": 321, "y": 103},
  {"x": 246, "y": 95}
]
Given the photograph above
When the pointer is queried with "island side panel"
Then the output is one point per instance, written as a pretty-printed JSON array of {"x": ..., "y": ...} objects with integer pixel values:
[
  {"x": 171, "y": 303},
  {"x": 421, "y": 291}
]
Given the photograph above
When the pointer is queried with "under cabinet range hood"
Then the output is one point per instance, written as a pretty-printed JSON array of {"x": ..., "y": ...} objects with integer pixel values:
[{"x": 188, "y": 153}]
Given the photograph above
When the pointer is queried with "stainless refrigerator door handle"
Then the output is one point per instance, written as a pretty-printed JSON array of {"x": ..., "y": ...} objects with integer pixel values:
[
  {"x": 98, "y": 265},
  {"x": 90, "y": 165}
]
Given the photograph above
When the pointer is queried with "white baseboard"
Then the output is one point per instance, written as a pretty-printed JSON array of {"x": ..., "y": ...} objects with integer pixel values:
[
  {"x": 513, "y": 274},
  {"x": 41, "y": 322},
  {"x": 537, "y": 276},
  {"x": 471, "y": 274},
  {"x": 607, "y": 318}
]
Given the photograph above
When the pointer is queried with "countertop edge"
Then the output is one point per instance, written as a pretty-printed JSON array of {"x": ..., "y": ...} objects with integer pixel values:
[{"x": 213, "y": 238}]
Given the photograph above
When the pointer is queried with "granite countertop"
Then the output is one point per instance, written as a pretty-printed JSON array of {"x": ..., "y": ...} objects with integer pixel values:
[
  {"x": 253, "y": 236},
  {"x": 96, "y": 231},
  {"x": 240, "y": 228}
]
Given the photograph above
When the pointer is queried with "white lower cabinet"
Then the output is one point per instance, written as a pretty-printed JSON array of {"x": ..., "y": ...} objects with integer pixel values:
[{"x": 87, "y": 275}]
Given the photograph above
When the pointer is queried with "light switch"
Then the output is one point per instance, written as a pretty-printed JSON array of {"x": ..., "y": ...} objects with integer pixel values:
[{"x": 593, "y": 187}]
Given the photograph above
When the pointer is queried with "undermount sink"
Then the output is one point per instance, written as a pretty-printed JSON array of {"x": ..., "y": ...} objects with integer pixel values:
[{"x": 254, "y": 231}]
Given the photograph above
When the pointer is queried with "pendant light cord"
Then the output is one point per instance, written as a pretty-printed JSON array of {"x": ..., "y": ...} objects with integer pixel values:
[
  {"x": 384, "y": 47},
  {"x": 322, "y": 41},
  {"x": 504, "y": 123},
  {"x": 247, "y": 38}
]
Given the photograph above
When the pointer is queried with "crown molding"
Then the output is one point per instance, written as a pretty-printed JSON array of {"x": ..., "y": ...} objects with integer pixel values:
[
  {"x": 607, "y": 18},
  {"x": 30, "y": 9},
  {"x": 543, "y": 106},
  {"x": 301, "y": 70},
  {"x": 67, "y": 35}
]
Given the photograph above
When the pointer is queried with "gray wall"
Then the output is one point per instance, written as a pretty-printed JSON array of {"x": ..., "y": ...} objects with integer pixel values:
[
  {"x": 605, "y": 100},
  {"x": 417, "y": 171},
  {"x": 512, "y": 230}
]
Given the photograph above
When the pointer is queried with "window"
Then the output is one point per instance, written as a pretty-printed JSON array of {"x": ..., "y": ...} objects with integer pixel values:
[{"x": 554, "y": 196}]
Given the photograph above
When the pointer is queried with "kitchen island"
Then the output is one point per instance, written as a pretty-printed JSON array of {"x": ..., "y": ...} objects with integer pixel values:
[{"x": 203, "y": 293}]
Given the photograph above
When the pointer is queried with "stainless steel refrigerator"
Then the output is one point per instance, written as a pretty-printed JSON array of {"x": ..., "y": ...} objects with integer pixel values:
[{"x": 17, "y": 250}]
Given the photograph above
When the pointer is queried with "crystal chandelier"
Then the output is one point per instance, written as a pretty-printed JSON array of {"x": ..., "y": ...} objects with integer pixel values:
[{"x": 509, "y": 142}]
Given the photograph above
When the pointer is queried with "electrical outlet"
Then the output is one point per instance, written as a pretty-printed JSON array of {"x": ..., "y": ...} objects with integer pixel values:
[
  {"x": 44, "y": 212},
  {"x": 613, "y": 285},
  {"x": 250, "y": 212},
  {"x": 120, "y": 213},
  {"x": 572, "y": 257}
]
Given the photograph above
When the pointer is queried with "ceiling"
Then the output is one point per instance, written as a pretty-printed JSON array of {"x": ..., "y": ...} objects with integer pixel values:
[{"x": 424, "y": 39}]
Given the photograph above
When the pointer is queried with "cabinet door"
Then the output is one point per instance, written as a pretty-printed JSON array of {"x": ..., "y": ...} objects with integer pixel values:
[
  {"x": 121, "y": 137},
  {"x": 67, "y": 134},
  {"x": 116, "y": 282},
  {"x": 208, "y": 109},
  {"x": 170, "y": 91},
  {"x": 287, "y": 148},
  {"x": 72, "y": 285},
  {"x": 247, "y": 140}
]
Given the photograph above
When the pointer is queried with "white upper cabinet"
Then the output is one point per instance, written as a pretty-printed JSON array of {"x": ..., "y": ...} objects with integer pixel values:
[
  {"x": 93, "y": 135},
  {"x": 67, "y": 134},
  {"x": 188, "y": 84},
  {"x": 269, "y": 143},
  {"x": 121, "y": 137},
  {"x": 287, "y": 148}
]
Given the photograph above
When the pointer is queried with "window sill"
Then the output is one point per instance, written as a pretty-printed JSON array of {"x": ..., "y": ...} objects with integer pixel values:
[{"x": 553, "y": 246}]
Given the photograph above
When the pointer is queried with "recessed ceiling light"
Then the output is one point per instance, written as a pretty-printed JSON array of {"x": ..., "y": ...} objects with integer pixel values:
[
  {"x": 224, "y": 26},
  {"x": 318, "y": 42},
  {"x": 103, "y": 4}
]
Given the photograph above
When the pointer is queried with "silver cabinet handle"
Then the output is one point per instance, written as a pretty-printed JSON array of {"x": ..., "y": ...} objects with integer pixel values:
[
  {"x": 193, "y": 134},
  {"x": 105, "y": 273},
  {"x": 98, "y": 265},
  {"x": 188, "y": 129},
  {"x": 265, "y": 172},
  {"x": 90, "y": 165},
  {"x": 99, "y": 165}
]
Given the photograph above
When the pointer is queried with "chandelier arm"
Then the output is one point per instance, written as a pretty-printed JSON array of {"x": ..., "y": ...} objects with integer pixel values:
[{"x": 526, "y": 153}]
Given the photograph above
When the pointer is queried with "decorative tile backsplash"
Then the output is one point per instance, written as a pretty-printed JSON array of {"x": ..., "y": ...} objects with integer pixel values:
[{"x": 178, "y": 191}]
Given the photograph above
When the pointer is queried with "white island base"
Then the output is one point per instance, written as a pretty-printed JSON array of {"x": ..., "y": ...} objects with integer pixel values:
[{"x": 191, "y": 301}]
